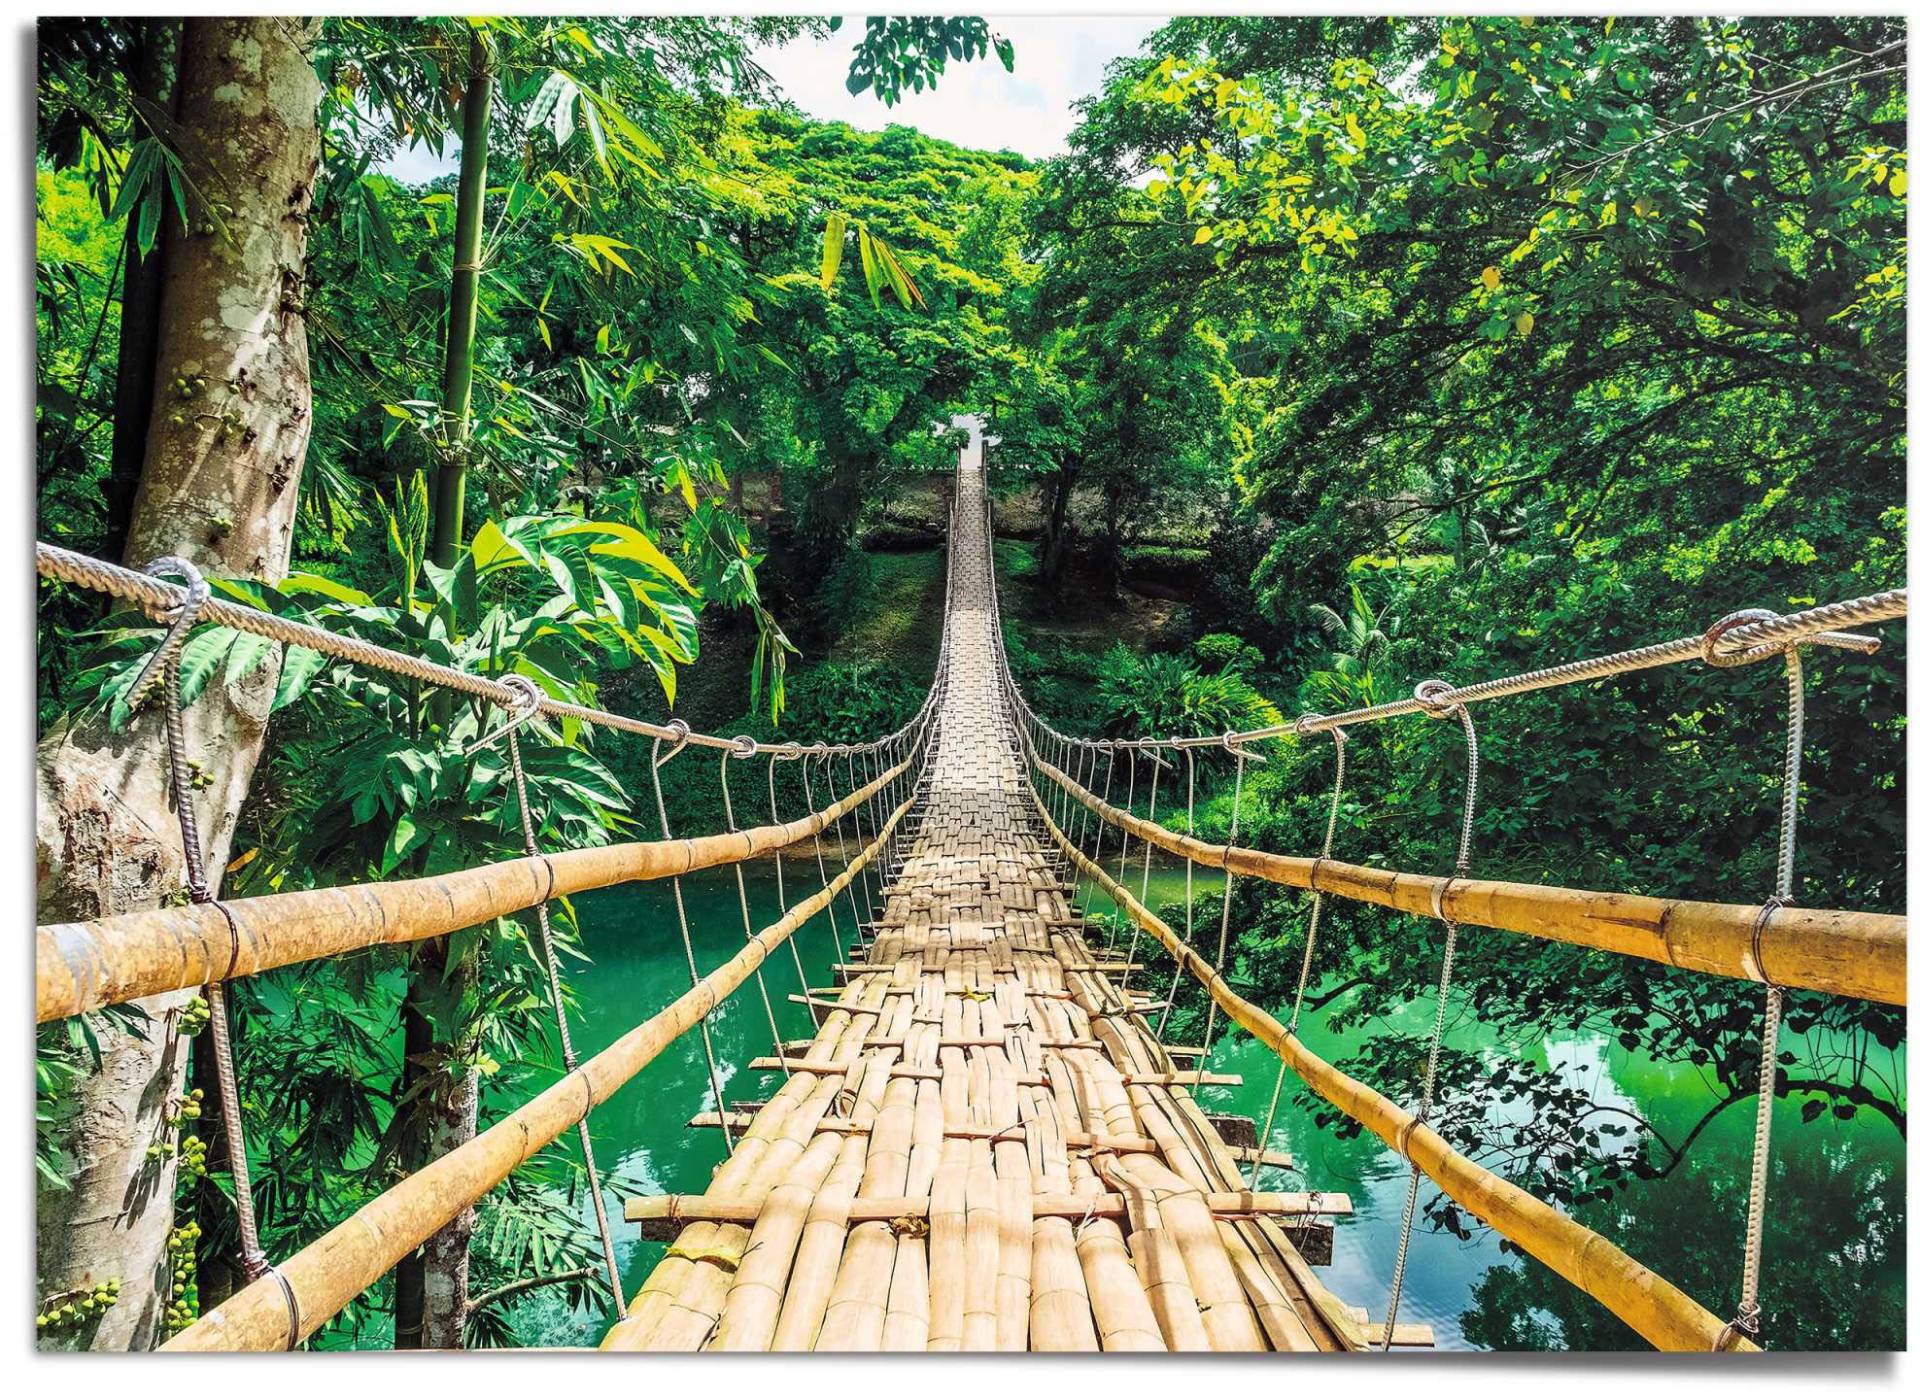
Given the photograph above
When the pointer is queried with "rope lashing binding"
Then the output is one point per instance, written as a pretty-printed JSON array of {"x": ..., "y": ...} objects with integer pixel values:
[
  {"x": 1240, "y": 757},
  {"x": 164, "y": 665},
  {"x": 1313, "y": 932},
  {"x": 1714, "y": 652},
  {"x": 1434, "y": 699},
  {"x": 744, "y": 747},
  {"x": 293, "y": 1306},
  {"x": 681, "y": 733},
  {"x": 523, "y": 713}
]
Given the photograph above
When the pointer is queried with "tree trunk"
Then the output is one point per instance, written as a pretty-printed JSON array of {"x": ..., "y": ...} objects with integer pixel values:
[
  {"x": 224, "y": 451},
  {"x": 430, "y": 1286},
  {"x": 1053, "y": 533},
  {"x": 154, "y": 84}
]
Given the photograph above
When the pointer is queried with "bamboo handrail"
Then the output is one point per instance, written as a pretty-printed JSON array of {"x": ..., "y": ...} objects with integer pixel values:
[
  {"x": 83, "y": 966},
  {"x": 303, "y": 1293},
  {"x": 1838, "y": 952},
  {"x": 1652, "y": 1306}
]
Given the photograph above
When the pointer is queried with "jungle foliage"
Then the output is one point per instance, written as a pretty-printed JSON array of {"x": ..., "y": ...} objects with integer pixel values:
[{"x": 1473, "y": 344}]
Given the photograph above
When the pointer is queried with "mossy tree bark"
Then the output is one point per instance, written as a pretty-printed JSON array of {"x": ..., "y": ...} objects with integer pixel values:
[{"x": 225, "y": 445}]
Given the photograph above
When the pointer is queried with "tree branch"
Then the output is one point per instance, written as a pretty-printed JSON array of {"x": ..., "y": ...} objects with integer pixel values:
[{"x": 500, "y": 1294}]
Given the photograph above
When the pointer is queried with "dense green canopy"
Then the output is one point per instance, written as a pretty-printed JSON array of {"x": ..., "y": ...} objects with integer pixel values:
[{"x": 1385, "y": 348}]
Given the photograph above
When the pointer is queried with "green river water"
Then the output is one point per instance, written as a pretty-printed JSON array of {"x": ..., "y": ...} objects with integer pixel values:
[{"x": 1835, "y": 1249}]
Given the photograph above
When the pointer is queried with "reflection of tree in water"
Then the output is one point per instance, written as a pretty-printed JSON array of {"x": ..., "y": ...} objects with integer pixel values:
[
  {"x": 1833, "y": 1270},
  {"x": 1616, "y": 1090}
]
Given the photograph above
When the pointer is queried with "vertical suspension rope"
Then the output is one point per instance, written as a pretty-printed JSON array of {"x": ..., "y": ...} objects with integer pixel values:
[
  {"x": 746, "y": 747},
  {"x": 1178, "y": 966},
  {"x": 1100, "y": 824},
  {"x": 686, "y": 933},
  {"x": 1431, "y": 696},
  {"x": 1146, "y": 869},
  {"x": 867, "y": 774},
  {"x": 1226, "y": 894},
  {"x": 1126, "y": 832},
  {"x": 860, "y": 885},
  {"x": 165, "y": 662},
  {"x": 550, "y": 963},
  {"x": 1313, "y": 933},
  {"x": 820, "y": 859},
  {"x": 780, "y": 889},
  {"x": 840, "y": 837},
  {"x": 1747, "y": 1316}
]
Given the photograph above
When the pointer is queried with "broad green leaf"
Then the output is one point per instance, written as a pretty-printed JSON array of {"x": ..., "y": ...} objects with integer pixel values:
[{"x": 624, "y": 541}]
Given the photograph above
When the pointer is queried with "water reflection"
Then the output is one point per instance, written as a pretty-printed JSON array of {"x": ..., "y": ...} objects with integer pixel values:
[{"x": 1836, "y": 1239}]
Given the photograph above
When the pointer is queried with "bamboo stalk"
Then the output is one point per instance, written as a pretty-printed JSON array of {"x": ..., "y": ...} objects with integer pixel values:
[
  {"x": 1224, "y": 1310},
  {"x": 322, "y": 1278},
  {"x": 84, "y": 966},
  {"x": 1841, "y": 953},
  {"x": 753, "y": 1302},
  {"x": 1652, "y": 1306}
]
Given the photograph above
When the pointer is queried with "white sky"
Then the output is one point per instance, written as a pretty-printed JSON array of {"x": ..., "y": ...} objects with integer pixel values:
[{"x": 1056, "y": 61}]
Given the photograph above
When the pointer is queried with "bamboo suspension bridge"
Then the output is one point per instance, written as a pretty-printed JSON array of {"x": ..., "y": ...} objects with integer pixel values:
[{"x": 985, "y": 1143}]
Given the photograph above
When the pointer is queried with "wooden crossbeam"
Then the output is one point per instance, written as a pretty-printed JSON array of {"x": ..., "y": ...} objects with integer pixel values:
[
  {"x": 1405, "y": 1333},
  {"x": 1096, "y": 1141},
  {"x": 680, "y": 1210},
  {"x": 771, "y": 1063},
  {"x": 1183, "y": 1078},
  {"x": 1102, "y": 968},
  {"x": 798, "y": 1047},
  {"x": 1247, "y": 1155}
]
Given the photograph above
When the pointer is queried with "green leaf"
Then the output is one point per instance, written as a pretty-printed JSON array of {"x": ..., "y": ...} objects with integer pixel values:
[
  {"x": 836, "y": 244},
  {"x": 624, "y": 541},
  {"x": 297, "y": 674}
]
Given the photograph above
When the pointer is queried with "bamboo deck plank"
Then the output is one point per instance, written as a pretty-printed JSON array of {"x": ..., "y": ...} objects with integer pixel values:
[{"x": 982, "y": 1146}]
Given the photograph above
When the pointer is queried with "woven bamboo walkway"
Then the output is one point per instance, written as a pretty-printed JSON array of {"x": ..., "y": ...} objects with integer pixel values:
[{"x": 981, "y": 1149}]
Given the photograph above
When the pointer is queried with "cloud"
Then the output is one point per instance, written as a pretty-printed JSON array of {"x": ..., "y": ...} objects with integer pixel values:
[{"x": 1057, "y": 61}]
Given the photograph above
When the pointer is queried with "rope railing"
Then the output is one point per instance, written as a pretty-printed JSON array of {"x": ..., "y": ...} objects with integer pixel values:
[
  {"x": 1740, "y": 644},
  {"x": 1657, "y": 1310},
  {"x": 308, "y": 1289},
  {"x": 1774, "y": 943},
  {"x": 159, "y": 598},
  {"x": 83, "y": 966},
  {"x": 1838, "y": 952}
]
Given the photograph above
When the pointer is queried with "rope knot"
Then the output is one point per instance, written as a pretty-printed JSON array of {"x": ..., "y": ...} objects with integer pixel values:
[
  {"x": 179, "y": 618},
  {"x": 682, "y": 735},
  {"x": 1431, "y": 696},
  {"x": 198, "y": 589},
  {"x": 526, "y": 704},
  {"x": 1715, "y": 651}
]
